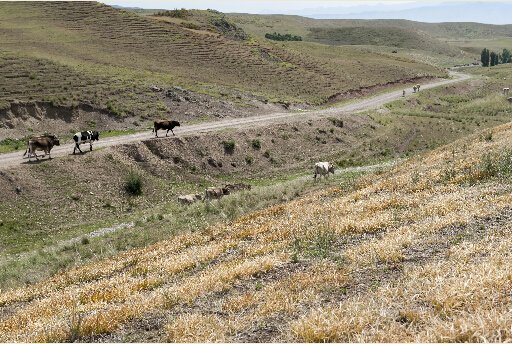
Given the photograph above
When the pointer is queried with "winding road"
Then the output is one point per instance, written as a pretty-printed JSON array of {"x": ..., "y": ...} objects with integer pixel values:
[{"x": 374, "y": 102}]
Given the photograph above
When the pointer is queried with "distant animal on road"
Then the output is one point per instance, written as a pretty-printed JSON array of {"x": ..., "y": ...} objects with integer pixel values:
[
  {"x": 44, "y": 143},
  {"x": 189, "y": 199},
  {"x": 414, "y": 88},
  {"x": 403, "y": 94},
  {"x": 214, "y": 193},
  {"x": 418, "y": 87},
  {"x": 323, "y": 169},
  {"x": 84, "y": 137},
  {"x": 165, "y": 124}
]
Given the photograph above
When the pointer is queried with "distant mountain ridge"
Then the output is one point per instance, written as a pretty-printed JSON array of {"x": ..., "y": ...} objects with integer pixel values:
[
  {"x": 485, "y": 12},
  {"x": 378, "y": 6},
  {"x": 498, "y": 13}
]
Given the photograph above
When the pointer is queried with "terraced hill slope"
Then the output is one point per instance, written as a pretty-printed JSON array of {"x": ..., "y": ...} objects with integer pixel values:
[{"x": 124, "y": 53}]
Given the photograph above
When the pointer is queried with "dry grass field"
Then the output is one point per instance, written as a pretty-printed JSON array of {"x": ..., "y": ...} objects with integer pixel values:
[{"x": 420, "y": 252}]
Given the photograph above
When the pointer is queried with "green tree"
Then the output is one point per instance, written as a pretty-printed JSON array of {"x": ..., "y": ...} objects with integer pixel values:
[
  {"x": 484, "y": 57},
  {"x": 506, "y": 56},
  {"x": 278, "y": 37},
  {"x": 495, "y": 58}
]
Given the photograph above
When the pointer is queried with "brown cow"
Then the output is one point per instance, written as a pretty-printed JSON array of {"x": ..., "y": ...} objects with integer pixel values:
[
  {"x": 214, "y": 192},
  {"x": 165, "y": 124},
  {"x": 37, "y": 137},
  {"x": 43, "y": 144}
]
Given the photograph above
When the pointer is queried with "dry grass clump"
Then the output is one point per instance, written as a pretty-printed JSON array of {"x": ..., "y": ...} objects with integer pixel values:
[
  {"x": 197, "y": 328},
  {"x": 400, "y": 258}
]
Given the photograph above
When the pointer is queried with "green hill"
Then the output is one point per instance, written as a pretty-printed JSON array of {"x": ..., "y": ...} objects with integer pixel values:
[
  {"x": 442, "y": 42},
  {"x": 391, "y": 36}
]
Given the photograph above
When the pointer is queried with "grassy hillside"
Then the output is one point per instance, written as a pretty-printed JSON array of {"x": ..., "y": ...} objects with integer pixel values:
[
  {"x": 421, "y": 250},
  {"x": 110, "y": 56},
  {"x": 441, "y": 43},
  {"x": 261, "y": 24},
  {"x": 391, "y": 36}
]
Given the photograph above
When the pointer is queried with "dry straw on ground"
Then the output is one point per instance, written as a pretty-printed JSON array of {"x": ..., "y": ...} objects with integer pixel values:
[{"x": 417, "y": 253}]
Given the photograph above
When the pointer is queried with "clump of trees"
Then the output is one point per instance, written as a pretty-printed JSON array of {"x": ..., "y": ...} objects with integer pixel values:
[
  {"x": 183, "y": 13},
  {"x": 278, "y": 37},
  {"x": 492, "y": 59}
]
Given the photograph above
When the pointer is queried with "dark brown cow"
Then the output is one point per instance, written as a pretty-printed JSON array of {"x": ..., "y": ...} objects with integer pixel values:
[
  {"x": 214, "y": 193},
  {"x": 165, "y": 124},
  {"x": 43, "y": 144}
]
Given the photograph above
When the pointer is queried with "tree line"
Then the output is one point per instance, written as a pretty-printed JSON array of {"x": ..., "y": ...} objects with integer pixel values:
[
  {"x": 183, "y": 13},
  {"x": 278, "y": 37},
  {"x": 490, "y": 58}
]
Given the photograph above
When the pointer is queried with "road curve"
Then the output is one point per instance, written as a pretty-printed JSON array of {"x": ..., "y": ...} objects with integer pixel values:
[{"x": 16, "y": 158}]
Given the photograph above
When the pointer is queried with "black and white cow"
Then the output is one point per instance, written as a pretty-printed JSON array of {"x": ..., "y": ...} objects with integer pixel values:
[{"x": 84, "y": 137}]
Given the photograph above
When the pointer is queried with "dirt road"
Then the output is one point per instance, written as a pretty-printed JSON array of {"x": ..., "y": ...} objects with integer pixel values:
[{"x": 15, "y": 158}]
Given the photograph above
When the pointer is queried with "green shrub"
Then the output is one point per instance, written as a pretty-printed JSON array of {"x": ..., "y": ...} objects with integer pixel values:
[
  {"x": 256, "y": 143},
  {"x": 133, "y": 183},
  {"x": 228, "y": 144},
  {"x": 248, "y": 159}
]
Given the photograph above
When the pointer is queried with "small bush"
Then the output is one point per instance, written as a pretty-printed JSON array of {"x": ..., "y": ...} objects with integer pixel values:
[
  {"x": 133, "y": 183},
  {"x": 190, "y": 26},
  {"x": 229, "y": 145},
  {"x": 248, "y": 159},
  {"x": 256, "y": 143}
]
